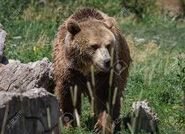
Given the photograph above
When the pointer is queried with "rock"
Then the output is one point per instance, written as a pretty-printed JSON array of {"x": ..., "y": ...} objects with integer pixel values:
[
  {"x": 25, "y": 103},
  {"x": 140, "y": 40}
]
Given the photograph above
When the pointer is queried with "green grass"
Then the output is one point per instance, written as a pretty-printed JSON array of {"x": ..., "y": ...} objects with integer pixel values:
[
  {"x": 166, "y": 33},
  {"x": 155, "y": 70},
  {"x": 30, "y": 40}
]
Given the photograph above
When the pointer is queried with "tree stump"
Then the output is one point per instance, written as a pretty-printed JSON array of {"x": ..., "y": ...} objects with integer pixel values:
[
  {"x": 26, "y": 106},
  {"x": 141, "y": 118}
]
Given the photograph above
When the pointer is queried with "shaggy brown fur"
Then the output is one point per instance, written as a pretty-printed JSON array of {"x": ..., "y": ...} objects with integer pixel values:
[{"x": 72, "y": 63}]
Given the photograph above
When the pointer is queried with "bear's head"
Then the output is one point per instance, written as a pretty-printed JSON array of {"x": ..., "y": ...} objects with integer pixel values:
[{"x": 89, "y": 43}]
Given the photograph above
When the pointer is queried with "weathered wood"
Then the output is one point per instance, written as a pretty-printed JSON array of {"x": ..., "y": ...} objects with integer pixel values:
[
  {"x": 3, "y": 34},
  {"x": 28, "y": 112},
  {"x": 25, "y": 104},
  {"x": 141, "y": 118},
  {"x": 18, "y": 77}
]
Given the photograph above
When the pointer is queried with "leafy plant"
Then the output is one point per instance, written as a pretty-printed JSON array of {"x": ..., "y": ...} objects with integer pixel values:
[
  {"x": 141, "y": 8},
  {"x": 9, "y": 10}
]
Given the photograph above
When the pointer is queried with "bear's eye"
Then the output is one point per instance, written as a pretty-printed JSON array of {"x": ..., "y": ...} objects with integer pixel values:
[{"x": 95, "y": 46}]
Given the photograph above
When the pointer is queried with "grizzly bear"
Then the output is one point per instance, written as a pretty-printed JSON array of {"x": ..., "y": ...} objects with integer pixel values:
[{"x": 90, "y": 51}]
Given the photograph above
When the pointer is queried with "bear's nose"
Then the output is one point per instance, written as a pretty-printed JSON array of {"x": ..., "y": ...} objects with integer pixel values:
[{"x": 107, "y": 63}]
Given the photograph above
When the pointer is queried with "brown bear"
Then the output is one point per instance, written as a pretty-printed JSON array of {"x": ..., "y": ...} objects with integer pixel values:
[{"x": 90, "y": 39}]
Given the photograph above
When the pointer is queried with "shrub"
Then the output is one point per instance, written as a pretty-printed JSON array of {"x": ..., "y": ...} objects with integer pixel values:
[
  {"x": 141, "y": 8},
  {"x": 10, "y": 10}
]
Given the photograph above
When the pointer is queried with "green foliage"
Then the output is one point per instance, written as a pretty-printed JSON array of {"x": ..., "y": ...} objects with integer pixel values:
[
  {"x": 30, "y": 41},
  {"x": 163, "y": 93},
  {"x": 166, "y": 33},
  {"x": 111, "y": 6},
  {"x": 141, "y": 8},
  {"x": 9, "y": 10}
]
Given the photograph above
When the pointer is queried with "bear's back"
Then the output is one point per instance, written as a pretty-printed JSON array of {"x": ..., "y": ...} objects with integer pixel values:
[{"x": 87, "y": 13}]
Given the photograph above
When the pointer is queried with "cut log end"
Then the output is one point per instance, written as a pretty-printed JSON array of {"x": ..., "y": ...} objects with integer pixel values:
[{"x": 141, "y": 118}]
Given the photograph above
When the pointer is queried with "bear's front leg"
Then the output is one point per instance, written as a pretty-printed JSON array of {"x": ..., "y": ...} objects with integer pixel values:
[
  {"x": 109, "y": 122},
  {"x": 70, "y": 103},
  {"x": 107, "y": 110},
  {"x": 71, "y": 107},
  {"x": 116, "y": 113},
  {"x": 103, "y": 119}
]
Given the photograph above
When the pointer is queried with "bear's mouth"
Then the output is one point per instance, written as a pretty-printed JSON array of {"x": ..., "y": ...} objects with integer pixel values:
[{"x": 102, "y": 69}]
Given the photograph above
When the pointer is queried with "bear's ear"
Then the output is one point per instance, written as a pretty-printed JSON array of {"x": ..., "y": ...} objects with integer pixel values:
[
  {"x": 109, "y": 22},
  {"x": 73, "y": 27}
]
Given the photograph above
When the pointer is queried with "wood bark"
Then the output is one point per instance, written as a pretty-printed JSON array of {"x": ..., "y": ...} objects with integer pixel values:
[
  {"x": 26, "y": 106},
  {"x": 141, "y": 118}
]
